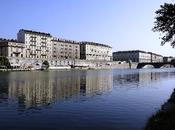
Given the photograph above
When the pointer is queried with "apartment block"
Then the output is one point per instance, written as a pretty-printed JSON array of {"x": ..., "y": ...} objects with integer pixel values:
[
  {"x": 65, "y": 49},
  {"x": 38, "y": 44},
  {"x": 95, "y": 51},
  {"x": 32, "y": 48}
]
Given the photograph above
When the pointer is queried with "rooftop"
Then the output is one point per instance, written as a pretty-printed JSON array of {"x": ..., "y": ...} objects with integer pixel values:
[
  {"x": 65, "y": 40},
  {"x": 96, "y": 44},
  {"x": 130, "y": 51},
  {"x": 9, "y": 40},
  {"x": 35, "y": 32}
]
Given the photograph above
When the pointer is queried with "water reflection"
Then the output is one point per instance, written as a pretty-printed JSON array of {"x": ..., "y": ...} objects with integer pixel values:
[
  {"x": 92, "y": 99},
  {"x": 38, "y": 89},
  {"x": 139, "y": 77}
]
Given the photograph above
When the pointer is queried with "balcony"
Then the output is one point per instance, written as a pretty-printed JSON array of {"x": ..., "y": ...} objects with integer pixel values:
[
  {"x": 43, "y": 45},
  {"x": 32, "y": 52},
  {"x": 43, "y": 54},
  {"x": 17, "y": 52},
  {"x": 38, "y": 49},
  {"x": 32, "y": 44}
]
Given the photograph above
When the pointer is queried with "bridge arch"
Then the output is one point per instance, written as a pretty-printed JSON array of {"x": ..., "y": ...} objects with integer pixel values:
[
  {"x": 142, "y": 65},
  {"x": 155, "y": 64}
]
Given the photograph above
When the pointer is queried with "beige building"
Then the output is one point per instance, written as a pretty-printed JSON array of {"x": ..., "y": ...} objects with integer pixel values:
[
  {"x": 32, "y": 48},
  {"x": 13, "y": 50},
  {"x": 137, "y": 56},
  {"x": 65, "y": 49},
  {"x": 37, "y": 44},
  {"x": 95, "y": 51}
]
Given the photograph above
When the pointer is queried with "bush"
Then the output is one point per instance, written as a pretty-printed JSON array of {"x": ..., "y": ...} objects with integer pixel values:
[
  {"x": 4, "y": 62},
  {"x": 45, "y": 64}
]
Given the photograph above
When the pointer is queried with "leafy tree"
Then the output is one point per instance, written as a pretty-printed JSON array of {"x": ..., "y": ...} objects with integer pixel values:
[
  {"x": 4, "y": 62},
  {"x": 165, "y": 23},
  {"x": 46, "y": 64}
]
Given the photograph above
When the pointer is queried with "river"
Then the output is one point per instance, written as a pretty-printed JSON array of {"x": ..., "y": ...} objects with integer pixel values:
[{"x": 82, "y": 99}]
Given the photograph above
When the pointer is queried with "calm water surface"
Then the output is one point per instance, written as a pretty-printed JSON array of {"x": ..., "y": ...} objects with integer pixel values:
[{"x": 82, "y": 100}]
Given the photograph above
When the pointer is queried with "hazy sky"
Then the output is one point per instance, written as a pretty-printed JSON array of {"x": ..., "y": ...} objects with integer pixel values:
[{"x": 123, "y": 24}]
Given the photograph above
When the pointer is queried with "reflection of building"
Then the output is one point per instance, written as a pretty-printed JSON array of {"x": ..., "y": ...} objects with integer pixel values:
[
  {"x": 34, "y": 89},
  {"x": 98, "y": 82},
  {"x": 136, "y": 77},
  {"x": 137, "y": 56},
  {"x": 38, "y": 92}
]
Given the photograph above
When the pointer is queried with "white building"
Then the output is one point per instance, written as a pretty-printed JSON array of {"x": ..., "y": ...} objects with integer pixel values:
[
  {"x": 95, "y": 51},
  {"x": 38, "y": 44}
]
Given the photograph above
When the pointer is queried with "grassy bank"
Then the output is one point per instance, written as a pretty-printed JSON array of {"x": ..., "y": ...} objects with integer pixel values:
[{"x": 164, "y": 119}]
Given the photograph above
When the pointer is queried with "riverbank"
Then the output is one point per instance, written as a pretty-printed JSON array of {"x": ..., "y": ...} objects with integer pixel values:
[
  {"x": 164, "y": 119},
  {"x": 113, "y": 65}
]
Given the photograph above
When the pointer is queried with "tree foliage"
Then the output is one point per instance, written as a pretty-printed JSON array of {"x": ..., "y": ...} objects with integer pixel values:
[
  {"x": 165, "y": 23},
  {"x": 46, "y": 64},
  {"x": 4, "y": 62}
]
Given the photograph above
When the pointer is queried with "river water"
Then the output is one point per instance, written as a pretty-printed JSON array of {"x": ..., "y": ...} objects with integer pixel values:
[{"x": 82, "y": 99}]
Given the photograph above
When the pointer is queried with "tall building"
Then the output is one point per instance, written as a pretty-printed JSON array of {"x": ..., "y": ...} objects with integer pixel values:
[
  {"x": 37, "y": 44},
  {"x": 95, "y": 51}
]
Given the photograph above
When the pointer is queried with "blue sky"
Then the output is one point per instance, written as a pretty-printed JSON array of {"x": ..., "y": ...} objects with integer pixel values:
[{"x": 123, "y": 24}]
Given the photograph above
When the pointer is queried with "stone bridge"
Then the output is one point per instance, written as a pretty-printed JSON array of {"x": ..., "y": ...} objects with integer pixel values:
[{"x": 155, "y": 64}]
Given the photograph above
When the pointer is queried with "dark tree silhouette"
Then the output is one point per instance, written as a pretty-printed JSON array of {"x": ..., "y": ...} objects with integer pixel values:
[
  {"x": 4, "y": 62},
  {"x": 165, "y": 23},
  {"x": 46, "y": 64}
]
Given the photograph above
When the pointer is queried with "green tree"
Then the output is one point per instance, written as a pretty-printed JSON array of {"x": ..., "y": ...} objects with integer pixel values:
[
  {"x": 165, "y": 23},
  {"x": 46, "y": 64},
  {"x": 4, "y": 62}
]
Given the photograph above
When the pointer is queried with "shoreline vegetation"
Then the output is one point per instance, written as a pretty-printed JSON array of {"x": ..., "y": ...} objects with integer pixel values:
[{"x": 164, "y": 119}]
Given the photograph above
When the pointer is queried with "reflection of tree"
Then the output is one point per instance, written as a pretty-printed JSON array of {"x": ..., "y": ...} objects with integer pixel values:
[{"x": 3, "y": 87}]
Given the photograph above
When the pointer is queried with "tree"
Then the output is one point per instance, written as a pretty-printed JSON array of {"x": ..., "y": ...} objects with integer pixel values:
[
  {"x": 4, "y": 62},
  {"x": 46, "y": 64},
  {"x": 165, "y": 23}
]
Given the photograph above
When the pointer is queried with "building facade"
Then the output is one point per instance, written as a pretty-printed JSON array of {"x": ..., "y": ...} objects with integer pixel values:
[
  {"x": 95, "y": 51},
  {"x": 167, "y": 59},
  {"x": 32, "y": 48},
  {"x": 65, "y": 49},
  {"x": 13, "y": 50},
  {"x": 38, "y": 44},
  {"x": 156, "y": 57},
  {"x": 137, "y": 56}
]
